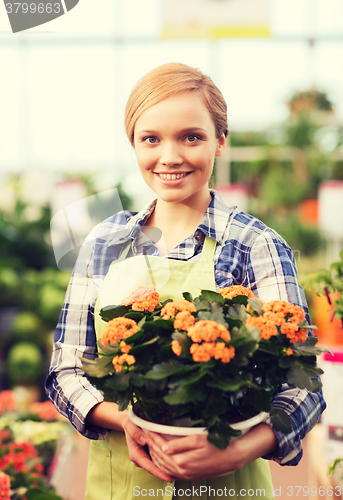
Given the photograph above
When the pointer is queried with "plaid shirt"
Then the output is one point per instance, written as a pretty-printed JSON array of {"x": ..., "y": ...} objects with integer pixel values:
[{"x": 252, "y": 255}]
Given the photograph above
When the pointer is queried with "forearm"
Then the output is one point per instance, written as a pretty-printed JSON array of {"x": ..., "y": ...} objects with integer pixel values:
[
  {"x": 260, "y": 441},
  {"x": 304, "y": 409},
  {"x": 107, "y": 415}
]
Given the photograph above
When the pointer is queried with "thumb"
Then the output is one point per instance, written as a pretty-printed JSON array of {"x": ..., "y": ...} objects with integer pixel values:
[{"x": 136, "y": 433}]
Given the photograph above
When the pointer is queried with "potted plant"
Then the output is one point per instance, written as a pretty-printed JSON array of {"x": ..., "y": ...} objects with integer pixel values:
[{"x": 206, "y": 362}]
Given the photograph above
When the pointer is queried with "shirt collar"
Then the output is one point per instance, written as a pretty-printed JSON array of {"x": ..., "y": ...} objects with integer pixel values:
[{"x": 213, "y": 223}]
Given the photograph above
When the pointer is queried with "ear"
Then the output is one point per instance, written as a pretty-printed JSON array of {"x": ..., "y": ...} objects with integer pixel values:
[{"x": 221, "y": 145}]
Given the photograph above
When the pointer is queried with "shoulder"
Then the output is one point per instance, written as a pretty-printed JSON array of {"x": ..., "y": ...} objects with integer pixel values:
[
  {"x": 104, "y": 244},
  {"x": 246, "y": 231},
  {"x": 114, "y": 228}
]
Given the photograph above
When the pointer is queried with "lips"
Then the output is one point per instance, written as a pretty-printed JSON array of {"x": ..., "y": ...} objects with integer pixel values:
[{"x": 172, "y": 176}]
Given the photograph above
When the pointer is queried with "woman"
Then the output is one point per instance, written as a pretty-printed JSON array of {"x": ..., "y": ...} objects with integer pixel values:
[{"x": 176, "y": 122}]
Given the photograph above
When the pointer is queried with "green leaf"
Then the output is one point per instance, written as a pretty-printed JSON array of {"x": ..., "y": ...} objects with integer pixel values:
[
  {"x": 334, "y": 464},
  {"x": 118, "y": 381},
  {"x": 269, "y": 348},
  {"x": 198, "y": 375},
  {"x": 124, "y": 403},
  {"x": 110, "y": 312},
  {"x": 256, "y": 304},
  {"x": 220, "y": 433},
  {"x": 285, "y": 362},
  {"x": 216, "y": 316},
  {"x": 98, "y": 368},
  {"x": 164, "y": 369},
  {"x": 263, "y": 400},
  {"x": 238, "y": 311},
  {"x": 240, "y": 299},
  {"x": 136, "y": 315},
  {"x": 301, "y": 374},
  {"x": 281, "y": 422},
  {"x": 304, "y": 350},
  {"x": 187, "y": 296},
  {"x": 136, "y": 379},
  {"x": 180, "y": 396},
  {"x": 215, "y": 408},
  {"x": 209, "y": 296},
  {"x": 245, "y": 341},
  {"x": 140, "y": 347},
  {"x": 229, "y": 385}
]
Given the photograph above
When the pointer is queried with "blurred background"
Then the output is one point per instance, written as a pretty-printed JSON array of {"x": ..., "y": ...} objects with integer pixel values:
[{"x": 64, "y": 85}]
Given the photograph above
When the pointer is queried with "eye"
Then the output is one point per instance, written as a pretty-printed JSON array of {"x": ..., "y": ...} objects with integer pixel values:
[
  {"x": 193, "y": 138},
  {"x": 150, "y": 139}
]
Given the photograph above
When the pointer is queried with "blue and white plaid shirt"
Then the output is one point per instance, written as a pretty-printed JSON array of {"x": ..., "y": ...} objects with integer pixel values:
[{"x": 252, "y": 255}]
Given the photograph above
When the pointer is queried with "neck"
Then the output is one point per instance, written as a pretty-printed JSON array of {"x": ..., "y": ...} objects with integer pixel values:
[
  {"x": 181, "y": 214},
  {"x": 177, "y": 221}
]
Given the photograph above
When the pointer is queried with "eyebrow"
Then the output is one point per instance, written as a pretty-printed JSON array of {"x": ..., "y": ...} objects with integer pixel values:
[{"x": 183, "y": 131}]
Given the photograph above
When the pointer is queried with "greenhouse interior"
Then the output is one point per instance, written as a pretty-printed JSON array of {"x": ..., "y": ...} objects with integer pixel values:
[{"x": 66, "y": 164}]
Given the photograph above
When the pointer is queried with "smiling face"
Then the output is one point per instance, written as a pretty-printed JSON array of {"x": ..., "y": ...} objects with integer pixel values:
[{"x": 175, "y": 145}]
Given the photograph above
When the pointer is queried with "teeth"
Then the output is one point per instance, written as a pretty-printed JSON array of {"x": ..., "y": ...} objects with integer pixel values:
[{"x": 172, "y": 177}]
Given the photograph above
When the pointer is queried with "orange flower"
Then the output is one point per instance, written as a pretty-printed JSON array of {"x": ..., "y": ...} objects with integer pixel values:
[
  {"x": 208, "y": 330},
  {"x": 199, "y": 353},
  {"x": 278, "y": 306},
  {"x": 183, "y": 320},
  {"x": 118, "y": 361},
  {"x": 176, "y": 348},
  {"x": 293, "y": 333},
  {"x": 289, "y": 351},
  {"x": 222, "y": 352},
  {"x": 144, "y": 298},
  {"x": 266, "y": 327},
  {"x": 118, "y": 368},
  {"x": 118, "y": 329},
  {"x": 124, "y": 347},
  {"x": 137, "y": 294},
  {"x": 281, "y": 307},
  {"x": 232, "y": 291},
  {"x": 169, "y": 310},
  {"x": 275, "y": 317}
]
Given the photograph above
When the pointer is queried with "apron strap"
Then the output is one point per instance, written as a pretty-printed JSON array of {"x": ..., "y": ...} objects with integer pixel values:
[
  {"x": 208, "y": 249},
  {"x": 124, "y": 252}
]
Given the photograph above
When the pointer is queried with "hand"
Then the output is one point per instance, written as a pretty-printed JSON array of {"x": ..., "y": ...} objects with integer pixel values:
[
  {"x": 195, "y": 458},
  {"x": 107, "y": 415},
  {"x": 136, "y": 441},
  {"x": 192, "y": 457}
]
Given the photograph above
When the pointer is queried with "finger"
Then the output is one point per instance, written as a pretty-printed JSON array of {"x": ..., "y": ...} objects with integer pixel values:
[
  {"x": 165, "y": 463},
  {"x": 147, "y": 464},
  {"x": 140, "y": 458},
  {"x": 136, "y": 433},
  {"x": 178, "y": 445}
]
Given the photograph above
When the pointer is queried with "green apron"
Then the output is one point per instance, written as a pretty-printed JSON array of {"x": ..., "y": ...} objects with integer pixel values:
[{"x": 111, "y": 475}]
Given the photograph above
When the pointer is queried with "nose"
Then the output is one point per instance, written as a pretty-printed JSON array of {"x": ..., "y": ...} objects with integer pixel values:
[{"x": 170, "y": 154}]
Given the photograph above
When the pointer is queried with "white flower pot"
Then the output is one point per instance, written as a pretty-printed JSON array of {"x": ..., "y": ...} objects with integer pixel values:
[{"x": 169, "y": 432}]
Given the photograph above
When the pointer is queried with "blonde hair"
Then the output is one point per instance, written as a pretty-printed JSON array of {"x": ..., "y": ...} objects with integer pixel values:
[{"x": 169, "y": 80}]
